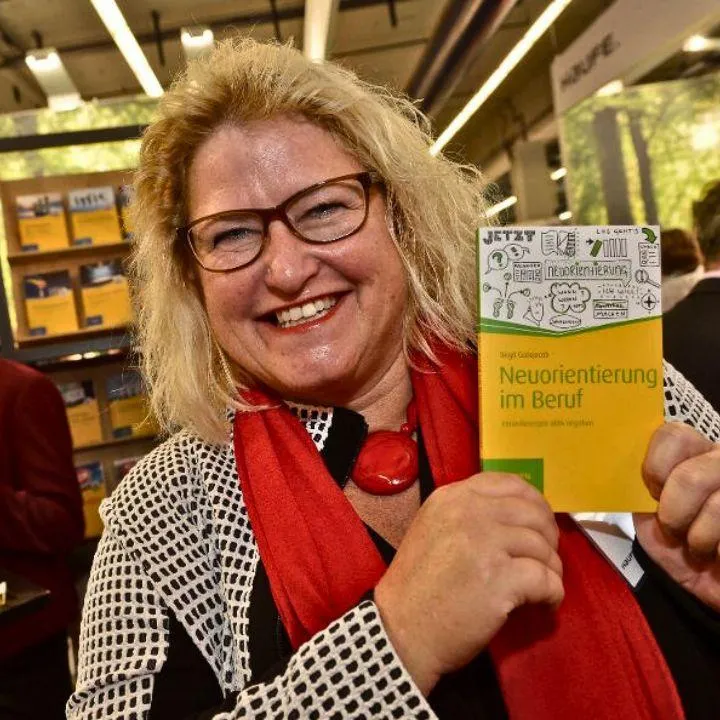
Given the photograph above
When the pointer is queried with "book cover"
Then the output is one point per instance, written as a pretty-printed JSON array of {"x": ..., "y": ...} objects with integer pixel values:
[
  {"x": 93, "y": 216},
  {"x": 50, "y": 303},
  {"x": 41, "y": 222},
  {"x": 124, "y": 198},
  {"x": 83, "y": 412},
  {"x": 570, "y": 351},
  {"x": 105, "y": 294},
  {"x": 128, "y": 406},
  {"x": 91, "y": 479}
]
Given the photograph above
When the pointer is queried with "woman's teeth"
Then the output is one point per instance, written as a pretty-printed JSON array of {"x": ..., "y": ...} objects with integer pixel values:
[{"x": 302, "y": 313}]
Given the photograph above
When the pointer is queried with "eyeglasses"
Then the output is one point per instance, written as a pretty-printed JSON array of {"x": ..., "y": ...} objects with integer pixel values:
[{"x": 322, "y": 213}]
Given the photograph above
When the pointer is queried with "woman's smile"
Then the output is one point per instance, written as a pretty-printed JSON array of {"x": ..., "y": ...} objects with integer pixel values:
[{"x": 304, "y": 314}]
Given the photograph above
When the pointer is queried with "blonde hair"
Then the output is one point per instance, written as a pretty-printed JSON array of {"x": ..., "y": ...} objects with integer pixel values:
[{"x": 434, "y": 207}]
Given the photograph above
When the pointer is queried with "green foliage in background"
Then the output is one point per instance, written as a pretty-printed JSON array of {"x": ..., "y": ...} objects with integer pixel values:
[{"x": 680, "y": 124}]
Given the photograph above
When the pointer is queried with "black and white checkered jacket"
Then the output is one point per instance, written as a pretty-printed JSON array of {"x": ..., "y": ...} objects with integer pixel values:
[{"x": 177, "y": 538}]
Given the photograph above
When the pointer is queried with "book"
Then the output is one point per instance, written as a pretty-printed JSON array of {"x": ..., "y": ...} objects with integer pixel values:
[
  {"x": 91, "y": 479},
  {"x": 570, "y": 355},
  {"x": 50, "y": 303},
  {"x": 128, "y": 406},
  {"x": 125, "y": 195},
  {"x": 41, "y": 222},
  {"x": 105, "y": 294},
  {"x": 83, "y": 412},
  {"x": 93, "y": 216}
]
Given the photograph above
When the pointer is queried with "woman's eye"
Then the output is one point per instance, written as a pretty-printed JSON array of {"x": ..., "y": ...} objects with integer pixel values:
[
  {"x": 324, "y": 210},
  {"x": 235, "y": 236}
]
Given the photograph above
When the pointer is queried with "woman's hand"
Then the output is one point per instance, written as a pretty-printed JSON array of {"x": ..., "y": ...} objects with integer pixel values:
[
  {"x": 474, "y": 552},
  {"x": 682, "y": 471}
]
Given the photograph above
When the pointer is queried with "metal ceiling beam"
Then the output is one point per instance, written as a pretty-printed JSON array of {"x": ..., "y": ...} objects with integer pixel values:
[
  {"x": 318, "y": 28},
  {"x": 173, "y": 33},
  {"x": 463, "y": 27}
]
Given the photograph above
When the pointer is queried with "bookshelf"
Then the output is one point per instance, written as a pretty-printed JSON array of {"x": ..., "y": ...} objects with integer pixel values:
[
  {"x": 94, "y": 351},
  {"x": 40, "y": 263}
]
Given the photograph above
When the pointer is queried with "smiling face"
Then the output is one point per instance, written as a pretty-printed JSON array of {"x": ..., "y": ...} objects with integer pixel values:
[{"x": 316, "y": 323}]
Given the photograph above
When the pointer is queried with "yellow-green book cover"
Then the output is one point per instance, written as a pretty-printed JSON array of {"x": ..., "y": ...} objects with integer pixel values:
[
  {"x": 105, "y": 294},
  {"x": 50, "y": 303},
  {"x": 93, "y": 216},
  {"x": 129, "y": 409},
  {"x": 92, "y": 488},
  {"x": 41, "y": 222},
  {"x": 83, "y": 412},
  {"x": 570, "y": 351}
]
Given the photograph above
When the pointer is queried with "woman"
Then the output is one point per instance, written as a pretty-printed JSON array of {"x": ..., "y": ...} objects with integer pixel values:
[{"x": 249, "y": 565}]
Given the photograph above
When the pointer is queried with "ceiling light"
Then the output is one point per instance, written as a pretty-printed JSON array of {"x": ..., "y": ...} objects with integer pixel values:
[
  {"x": 565, "y": 215},
  {"x": 196, "y": 40},
  {"x": 53, "y": 78},
  {"x": 558, "y": 174},
  {"x": 700, "y": 43},
  {"x": 502, "y": 205},
  {"x": 534, "y": 33},
  {"x": 127, "y": 44},
  {"x": 319, "y": 15},
  {"x": 614, "y": 87}
]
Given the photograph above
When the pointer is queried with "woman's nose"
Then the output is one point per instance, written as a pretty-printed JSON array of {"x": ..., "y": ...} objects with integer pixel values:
[{"x": 289, "y": 262}]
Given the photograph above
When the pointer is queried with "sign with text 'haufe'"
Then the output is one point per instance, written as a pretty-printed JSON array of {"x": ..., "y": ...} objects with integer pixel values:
[{"x": 628, "y": 39}]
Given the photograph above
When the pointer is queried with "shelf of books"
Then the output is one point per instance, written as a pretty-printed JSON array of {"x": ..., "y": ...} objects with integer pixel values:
[
  {"x": 67, "y": 240},
  {"x": 110, "y": 424}
]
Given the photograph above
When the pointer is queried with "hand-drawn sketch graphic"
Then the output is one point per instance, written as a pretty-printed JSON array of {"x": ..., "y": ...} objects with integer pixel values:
[
  {"x": 563, "y": 279},
  {"x": 615, "y": 247},
  {"x": 642, "y": 276},
  {"x": 504, "y": 297},
  {"x": 558, "y": 242},
  {"x": 568, "y": 296},
  {"x": 649, "y": 255},
  {"x": 497, "y": 260},
  {"x": 649, "y": 301},
  {"x": 535, "y": 311}
]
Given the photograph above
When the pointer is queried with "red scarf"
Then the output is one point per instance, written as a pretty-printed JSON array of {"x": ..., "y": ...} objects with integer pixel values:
[{"x": 594, "y": 657}]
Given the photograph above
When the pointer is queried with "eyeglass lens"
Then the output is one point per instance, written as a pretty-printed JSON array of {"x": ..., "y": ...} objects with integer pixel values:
[{"x": 324, "y": 214}]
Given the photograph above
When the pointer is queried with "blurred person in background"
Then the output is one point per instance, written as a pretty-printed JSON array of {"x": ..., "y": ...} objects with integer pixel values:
[
  {"x": 41, "y": 521},
  {"x": 691, "y": 330},
  {"x": 682, "y": 265}
]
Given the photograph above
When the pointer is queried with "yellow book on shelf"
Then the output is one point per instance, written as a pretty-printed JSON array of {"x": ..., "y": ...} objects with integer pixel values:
[
  {"x": 50, "y": 303},
  {"x": 41, "y": 222},
  {"x": 105, "y": 294},
  {"x": 83, "y": 412},
  {"x": 570, "y": 354},
  {"x": 92, "y": 488},
  {"x": 128, "y": 406},
  {"x": 93, "y": 216}
]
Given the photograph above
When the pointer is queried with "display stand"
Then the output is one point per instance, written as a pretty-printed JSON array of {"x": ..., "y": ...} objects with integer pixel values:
[{"x": 95, "y": 355}]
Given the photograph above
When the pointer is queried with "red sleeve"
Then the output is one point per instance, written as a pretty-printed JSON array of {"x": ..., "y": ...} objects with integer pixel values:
[{"x": 40, "y": 506}]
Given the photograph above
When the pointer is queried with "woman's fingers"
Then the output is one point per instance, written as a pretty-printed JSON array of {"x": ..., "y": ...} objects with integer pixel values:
[
  {"x": 670, "y": 445},
  {"x": 703, "y": 537},
  {"x": 532, "y": 545},
  {"x": 532, "y": 581},
  {"x": 689, "y": 486}
]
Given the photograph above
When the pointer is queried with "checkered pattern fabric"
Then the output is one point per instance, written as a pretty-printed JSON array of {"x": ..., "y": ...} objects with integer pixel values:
[{"x": 177, "y": 537}]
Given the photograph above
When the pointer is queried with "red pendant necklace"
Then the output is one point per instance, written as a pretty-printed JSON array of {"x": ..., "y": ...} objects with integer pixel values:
[{"x": 388, "y": 459}]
